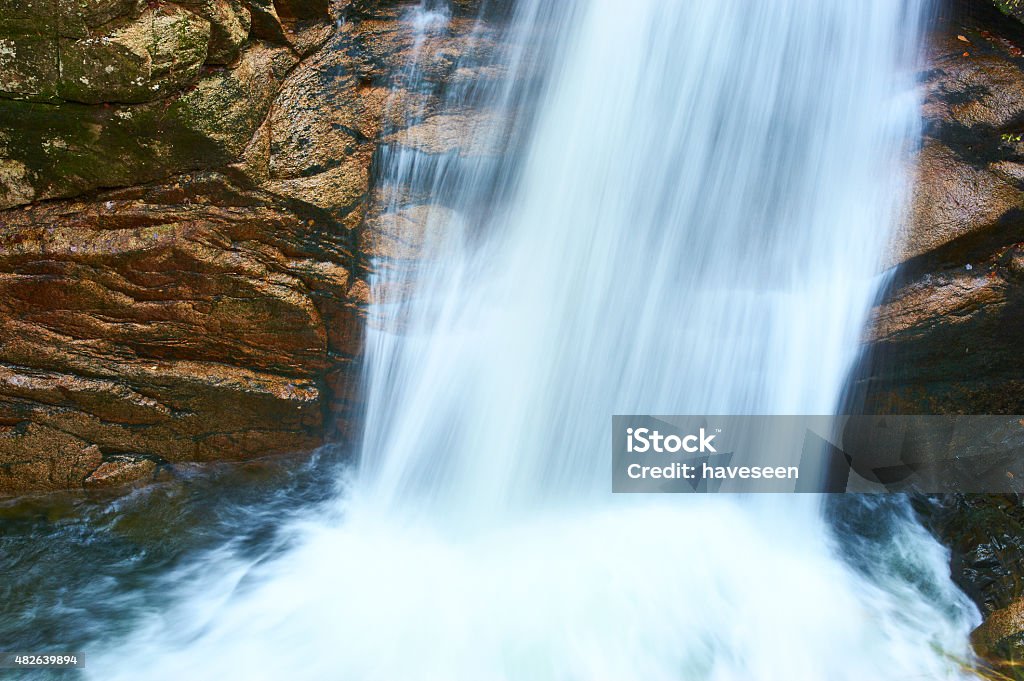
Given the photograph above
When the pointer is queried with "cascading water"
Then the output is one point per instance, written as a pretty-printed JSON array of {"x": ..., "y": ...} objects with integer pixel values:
[{"x": 690, "y": 219}]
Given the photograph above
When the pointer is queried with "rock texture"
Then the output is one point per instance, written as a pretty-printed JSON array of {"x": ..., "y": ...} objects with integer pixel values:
[
  {"x": 946, "y": 336},
  {"x": 190, "y": 223},
  {"x": 117, "y": 92},
  {"x": 174, "y": 322},
  {"x": 196, "y": 317}
]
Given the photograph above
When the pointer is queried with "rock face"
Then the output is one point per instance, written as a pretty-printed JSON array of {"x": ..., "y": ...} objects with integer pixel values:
[
  {"x": 946, "y": 336},
  {"x": 192, "y": 287},
  {"x": 182, "y": 321},
  {"x": 116, "y": 92},
  {"x": 196, "y": 317}
]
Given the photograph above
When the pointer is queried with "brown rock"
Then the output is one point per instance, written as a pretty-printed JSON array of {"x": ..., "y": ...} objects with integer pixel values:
[
  {"x": 182, "y": 322},
  {"x": 215, "y": 315},
  {"x": 952, "y": 199},
  {"x": 319, "y": 118},
  {"x": 303, "y": 10},
  {"x": 15, "y": 184},
  {"x": 308, "y": 37},
  {"x": 405, "y": 234},
  {"x": 987, "y": 90},
  {"x": 230, "y": 21},
  {"x": 1008, "y": 621},
  {"x": 945, "y": 338},
  {"x": 66, "y": 463},
  {"x": 119, "y": 471},
  {"x": 342, "y": 188},
  {"x": 454, "y": 133},
  {"x": 318, "y": 141}
]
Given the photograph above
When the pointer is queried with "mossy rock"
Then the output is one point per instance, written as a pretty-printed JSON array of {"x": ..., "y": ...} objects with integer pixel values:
[
  {"x": 1013, "y": 8},
  {"x": 230, "y": 22},
  {"x": 62, "y": 18},
  {"x": 29, "y": 67},
  {"x": 139, "y": 60},
  {"x": 66, "y": 149}
]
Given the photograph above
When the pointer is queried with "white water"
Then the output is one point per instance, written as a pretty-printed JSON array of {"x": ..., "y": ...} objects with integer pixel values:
[{"x": 693, "y": 223}]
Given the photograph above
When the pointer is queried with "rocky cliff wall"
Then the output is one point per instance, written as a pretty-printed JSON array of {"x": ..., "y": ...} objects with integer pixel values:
[
  {"x": 946, "y": 335},
  {"x": 183, "y": 249}
]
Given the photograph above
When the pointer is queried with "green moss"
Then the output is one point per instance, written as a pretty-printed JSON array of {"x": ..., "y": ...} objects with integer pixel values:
[{"x": 1013, "y": 8}]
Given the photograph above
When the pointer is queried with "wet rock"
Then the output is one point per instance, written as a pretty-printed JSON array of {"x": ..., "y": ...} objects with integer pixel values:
[
  {"x": 121, "y": 470},
  {"x": 404, "y": 235},
  {"x": 199, "y": 315},
  {"x": 341, "y": 188},
  {"x": 945, "y": 336},
  {"x": 946, "y": 339},
  {"x": 454, "y": 133},
  {"x": 985, "y": 533},
  {"x": 183, "y": 322},
  {"x": 321, "y": 117},
  {"x": 318, "y": 142},
  {"x": 68, "y": 461}
]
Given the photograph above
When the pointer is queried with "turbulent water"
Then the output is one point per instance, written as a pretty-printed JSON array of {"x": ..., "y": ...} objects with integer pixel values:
[{"x": 687, "y": 215}]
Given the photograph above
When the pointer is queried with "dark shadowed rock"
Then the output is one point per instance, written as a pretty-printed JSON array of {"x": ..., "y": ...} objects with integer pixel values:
[
  {"x": 230, "y": 21},
  {"x": 986, "y": 536}
]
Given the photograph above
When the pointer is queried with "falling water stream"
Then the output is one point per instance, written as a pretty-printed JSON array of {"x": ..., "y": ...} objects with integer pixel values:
[{"x": 661, "y": 206}]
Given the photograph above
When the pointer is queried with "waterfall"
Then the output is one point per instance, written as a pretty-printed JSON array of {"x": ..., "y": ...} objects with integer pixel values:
[
  {"x": 696, "y": 224},
  {"x": 662, "y": 206}
]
